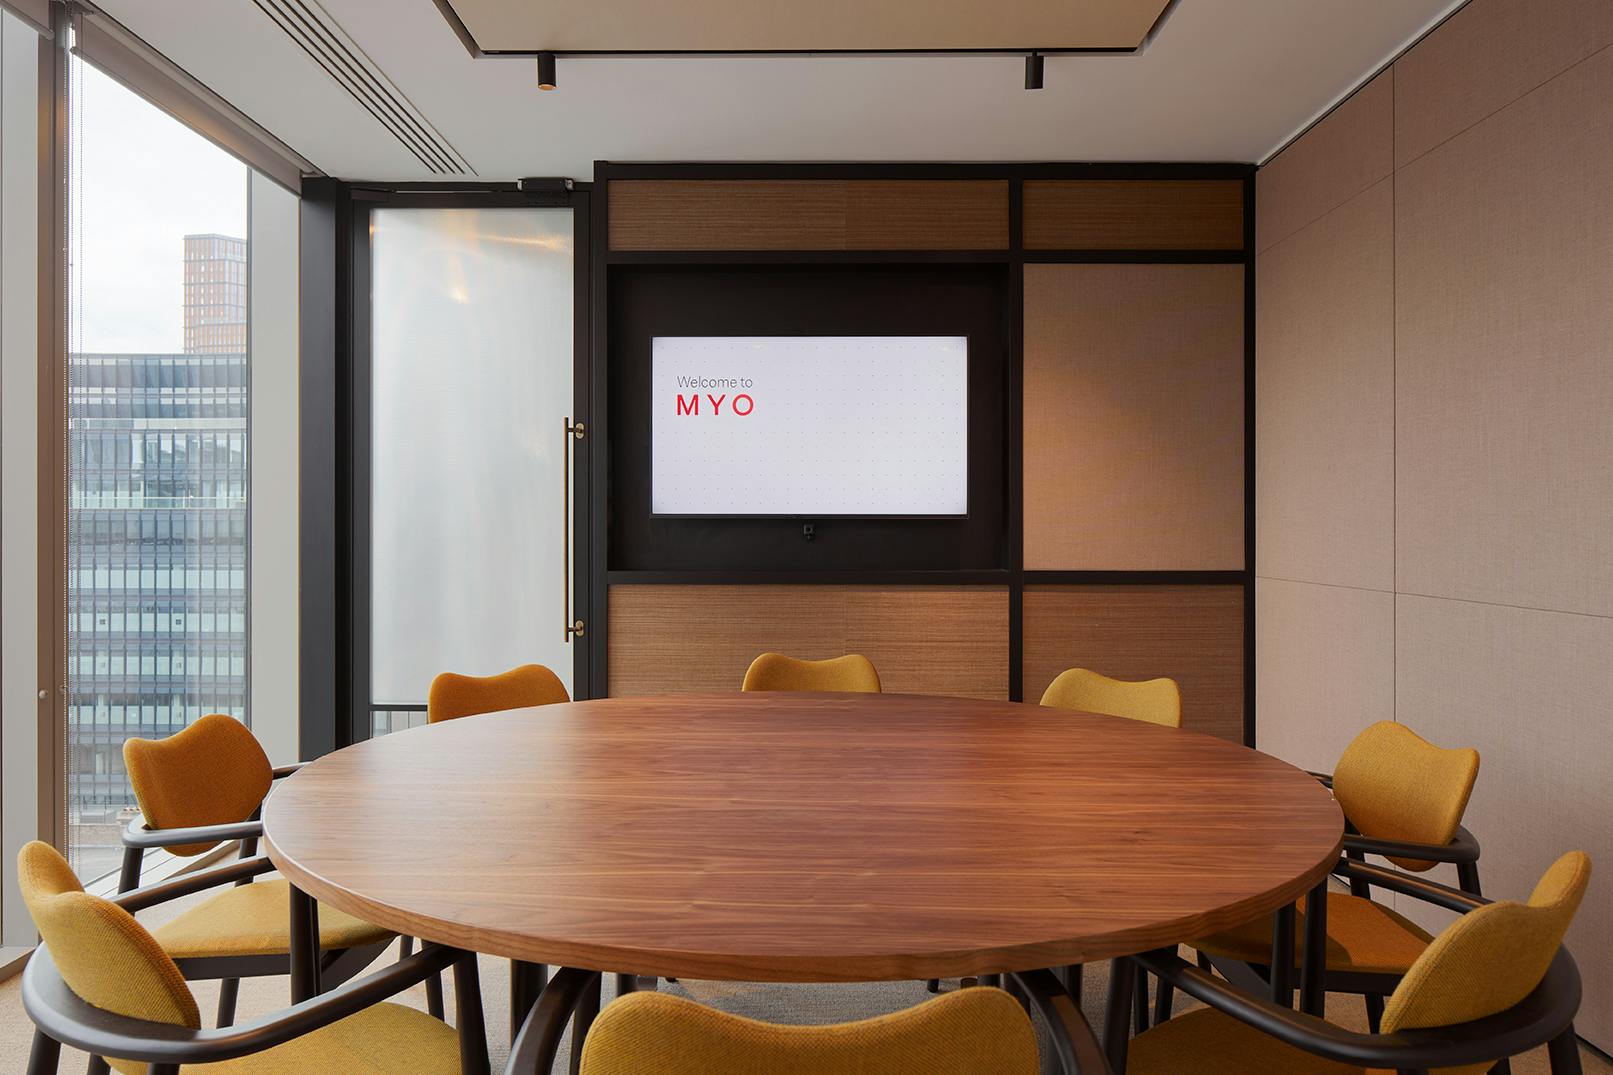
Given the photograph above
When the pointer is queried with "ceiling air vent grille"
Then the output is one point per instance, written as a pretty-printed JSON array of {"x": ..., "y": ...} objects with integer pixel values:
[{"x": 317, "y": 34}]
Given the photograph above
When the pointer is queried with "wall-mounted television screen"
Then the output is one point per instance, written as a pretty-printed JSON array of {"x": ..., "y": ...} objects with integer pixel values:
[{"x": 810, "y": 426}]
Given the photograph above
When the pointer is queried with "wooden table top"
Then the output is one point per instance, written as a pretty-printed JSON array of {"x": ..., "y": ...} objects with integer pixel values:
[{"x": 802, "y": 837}]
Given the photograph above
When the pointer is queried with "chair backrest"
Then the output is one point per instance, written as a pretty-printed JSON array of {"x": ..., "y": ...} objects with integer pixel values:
[
  {"x": 105, "y": 956},
  {"x": 1395, "y": 785},
  {"x": 979, "y": 1031},
  {"x": 1157, "y": 701},
  {"x": 776, "y": 672},
  {"x": 211, "y": 773},
  {"x": 453, "y": 695},
  {"x": 1490, "y": 959}
]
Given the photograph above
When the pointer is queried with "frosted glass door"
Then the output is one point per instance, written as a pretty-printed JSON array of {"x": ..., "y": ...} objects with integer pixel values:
[{"x": 471, "y": 369}]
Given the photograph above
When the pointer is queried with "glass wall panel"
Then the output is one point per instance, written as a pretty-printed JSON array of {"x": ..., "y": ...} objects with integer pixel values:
[
  {"x": 159, "y": 621},
  {"x": 471, "y": 313}
]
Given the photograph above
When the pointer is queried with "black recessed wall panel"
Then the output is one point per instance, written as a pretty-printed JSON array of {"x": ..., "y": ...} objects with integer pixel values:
[{"x": 839, "y": 300}]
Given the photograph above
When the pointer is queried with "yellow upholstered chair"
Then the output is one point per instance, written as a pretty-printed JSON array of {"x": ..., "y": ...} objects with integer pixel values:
[
  {"x": 102, "y": 983},
  {"x": 453, "y": 695},
  {"x": 1482, "y": 967},
  {"x": 1404, "y": 798},
  {"x": 1157, "y": 701},
  {"x": 968, "y": 1032},
  {"x": 776, "y": 672},
  {"x": 200, "y": 787}
]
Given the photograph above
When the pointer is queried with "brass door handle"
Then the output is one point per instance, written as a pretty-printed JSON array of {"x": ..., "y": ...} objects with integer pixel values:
[{"x": 574, "y": 627}]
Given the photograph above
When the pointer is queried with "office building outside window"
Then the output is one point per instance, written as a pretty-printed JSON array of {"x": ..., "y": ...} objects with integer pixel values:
[{"x": 157, "y": 551}]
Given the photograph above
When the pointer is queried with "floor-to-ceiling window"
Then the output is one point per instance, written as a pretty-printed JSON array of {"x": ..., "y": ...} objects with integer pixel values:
[{"x": 163, "y": 362}]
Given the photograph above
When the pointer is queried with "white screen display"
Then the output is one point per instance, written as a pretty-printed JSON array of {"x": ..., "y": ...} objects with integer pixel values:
[{"x": 810, "y": 425}]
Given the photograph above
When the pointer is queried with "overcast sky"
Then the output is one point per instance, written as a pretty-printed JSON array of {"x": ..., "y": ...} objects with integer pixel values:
[{"x": 145, "y": 182}]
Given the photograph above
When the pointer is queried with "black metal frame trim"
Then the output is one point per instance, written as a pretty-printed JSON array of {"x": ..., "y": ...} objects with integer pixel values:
[{"x": 336, "y": 544}]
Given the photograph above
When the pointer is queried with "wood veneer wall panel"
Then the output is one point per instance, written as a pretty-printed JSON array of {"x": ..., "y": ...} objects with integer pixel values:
[
  {"x": 1133, "y": 412},
  {"x": 1193, "y": 634},
  {"x": 924, "y": 640},
  {"x": 1344, "y": 154},
  {"x": 1133, "y": 214},
  {"x": 809, "y": 214}
]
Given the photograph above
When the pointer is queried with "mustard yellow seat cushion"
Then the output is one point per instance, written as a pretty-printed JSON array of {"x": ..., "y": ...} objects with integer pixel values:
[
  {"x": 1362, "y": 936},
  {"x": 1206, "y": 1042},
  {"x": 968, "y": 1032},
  {"x": 255, "y": 920},
  {"x": 387, "y": 1039}
]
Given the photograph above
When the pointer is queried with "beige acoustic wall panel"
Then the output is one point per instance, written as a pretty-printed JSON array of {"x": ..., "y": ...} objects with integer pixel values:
[
  {"x": 1529, "y": 690},
  {"x": 1324, "y": 668},
  {"x": 1193, "y": 634},
  {"x": 1348, "y": 151},
  {"x": 1325, "y": 393},
  {"x": 923, "y": 640},
  {"x": 1133, "y": 214},
  {"x": 808, "y": 214},
  {"x": 1504, "y": 282},
  {"x": 1133, "y": 417},
  {"x": 1483, "y": 58}
]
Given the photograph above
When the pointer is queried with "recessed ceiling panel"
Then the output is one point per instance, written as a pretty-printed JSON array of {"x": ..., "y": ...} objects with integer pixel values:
[{"x": 799, "y": 26}]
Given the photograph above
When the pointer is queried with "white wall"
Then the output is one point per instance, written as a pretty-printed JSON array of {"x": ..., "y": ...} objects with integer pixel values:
[
  {"x": 19, "y": 357},
  {"x": 272, "y": 347}
]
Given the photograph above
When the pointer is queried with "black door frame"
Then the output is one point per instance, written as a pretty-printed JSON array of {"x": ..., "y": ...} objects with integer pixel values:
[{"x": 334, "y": 437}]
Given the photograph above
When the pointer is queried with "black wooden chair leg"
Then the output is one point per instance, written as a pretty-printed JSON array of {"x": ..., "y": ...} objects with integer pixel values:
[
  {"x": 1117, "y": 1017},
  {"x": 1139, "y": 1001},
  {"x": 97, "y": 1066},
  {"x": 1563, "y": 1051},
  {"x": 1164, "y": 996},
  {"x": 1073, "y": 980},
  {"x": 45, "y": 1056},
  {"x": 582, "y": 1019},
  {"x": 1374, "y": 1012},
  {"x": 434, "y": 996},
  {"x": 405, "y": 947},
  {"x": 933, "y": 985},
  {"x": 229, "y": 990}
]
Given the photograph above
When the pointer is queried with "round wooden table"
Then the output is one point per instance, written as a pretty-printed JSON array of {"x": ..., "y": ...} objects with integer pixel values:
[{"x": 802, "y": 837}]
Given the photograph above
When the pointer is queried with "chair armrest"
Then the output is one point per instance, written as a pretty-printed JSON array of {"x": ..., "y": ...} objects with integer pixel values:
[
  {"x": 281, "y": 771},
  {"x": 1539, "y": 1018},
  {"x": 1452, "y": 899},
  {"x": 534, "y": 1048},
  {"x": 1069, "y": 1034},
  {"x": 66, "y": 1018},
  {"x": 1464, "y": 847},
  {"x": 138, "y": 899},
  {"x": 137, "y": 835}
]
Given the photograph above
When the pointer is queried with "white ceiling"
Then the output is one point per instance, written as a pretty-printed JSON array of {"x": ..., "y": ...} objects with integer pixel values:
[{"x": 1225, "y": 80}]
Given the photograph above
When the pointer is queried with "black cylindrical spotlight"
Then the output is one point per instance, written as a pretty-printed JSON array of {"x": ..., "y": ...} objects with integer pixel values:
[
  {"x": 546, "y": 80},
  {"x": 1033, "y": 71}
]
